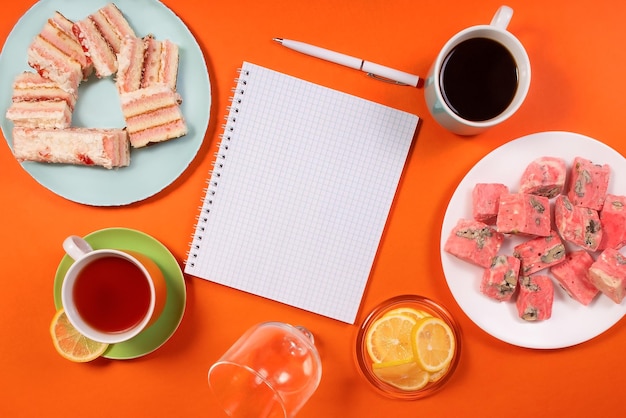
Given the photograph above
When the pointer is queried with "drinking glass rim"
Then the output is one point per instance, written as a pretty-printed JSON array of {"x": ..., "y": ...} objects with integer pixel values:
[{"x": 253, "y": 372}]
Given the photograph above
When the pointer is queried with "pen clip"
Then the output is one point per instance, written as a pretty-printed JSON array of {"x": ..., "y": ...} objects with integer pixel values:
[
  {"x": 386, "y": 80},
  {"x": 389, "y": 75}
]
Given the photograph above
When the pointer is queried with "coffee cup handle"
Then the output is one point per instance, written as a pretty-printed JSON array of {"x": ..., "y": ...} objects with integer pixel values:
[
  {"x": 502, "y": 17},
  {"x": 76, "y": 247}
]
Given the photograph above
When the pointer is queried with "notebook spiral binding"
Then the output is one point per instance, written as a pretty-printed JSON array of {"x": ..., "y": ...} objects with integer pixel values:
[{"x": 218, "y": 165}]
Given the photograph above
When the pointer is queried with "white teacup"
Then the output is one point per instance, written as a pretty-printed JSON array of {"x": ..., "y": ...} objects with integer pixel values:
[
  {"x": 481, "y": 114},
  {"x": 111, "y": 295}
]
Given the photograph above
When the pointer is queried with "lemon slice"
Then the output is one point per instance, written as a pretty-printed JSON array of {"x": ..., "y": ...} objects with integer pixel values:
[
  {"x": 413, "y": 313},
  {"x": 389, "y": 338},
  {"x": 433, "y": 344},
  {"x": 435, "y": 376},
  {"x": 70, "y": 343},
  {"x": 403, "y": 374}
]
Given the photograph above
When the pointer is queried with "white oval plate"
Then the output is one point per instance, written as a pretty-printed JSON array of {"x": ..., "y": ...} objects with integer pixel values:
[
  {"x": 152, "y": 168},
  {"x": 571, "y": 322}
]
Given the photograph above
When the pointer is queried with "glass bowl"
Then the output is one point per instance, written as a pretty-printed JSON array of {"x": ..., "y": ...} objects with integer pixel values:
[{"x": 364, "y": 362}]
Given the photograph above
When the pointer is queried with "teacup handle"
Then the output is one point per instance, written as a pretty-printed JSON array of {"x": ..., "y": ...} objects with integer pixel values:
[
  {"x": 502, "y": 17},
  {"x": 76, "y": 247}
]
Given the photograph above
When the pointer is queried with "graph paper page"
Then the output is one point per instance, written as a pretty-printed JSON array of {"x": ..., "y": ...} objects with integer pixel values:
[{"x": 300, "y": 193}]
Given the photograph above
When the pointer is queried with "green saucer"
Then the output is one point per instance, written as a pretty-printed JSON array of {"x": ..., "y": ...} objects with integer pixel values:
[{"x": 158, "y": 333}]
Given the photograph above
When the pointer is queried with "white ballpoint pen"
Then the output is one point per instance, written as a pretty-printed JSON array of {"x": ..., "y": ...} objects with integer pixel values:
[{"x": 372, "y": 69}]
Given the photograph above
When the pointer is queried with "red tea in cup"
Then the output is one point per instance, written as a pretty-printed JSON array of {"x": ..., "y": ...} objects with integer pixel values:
[{"x": 111, "y": 294}]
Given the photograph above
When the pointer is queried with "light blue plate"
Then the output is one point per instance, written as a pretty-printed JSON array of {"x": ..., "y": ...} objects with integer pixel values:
[{"x": 152, "y": 168}]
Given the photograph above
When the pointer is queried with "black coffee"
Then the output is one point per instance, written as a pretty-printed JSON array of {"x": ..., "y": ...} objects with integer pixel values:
[{"x": 478, "y": 79}]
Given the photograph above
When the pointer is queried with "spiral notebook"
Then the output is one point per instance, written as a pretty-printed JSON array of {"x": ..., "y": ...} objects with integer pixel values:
[{"x": 300, "y": 193}]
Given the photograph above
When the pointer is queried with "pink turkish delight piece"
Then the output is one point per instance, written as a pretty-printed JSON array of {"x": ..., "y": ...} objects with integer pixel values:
[
  {"x": 521, "y": 213},
  {"x": 576, "y": 224},
  {"x": 535, "y": 298},
  {"x": 474, "y": 241},
  {"x": 613, "y": 219},
  {"x": 539, "y": 253},
  {"x": 571, "y": 275},
  {"x": 499, "y": 281},
  {"x": 589, "y": 183},
  {"x": 608, "y": 274},
  {"x": 545, "y": 176},
  {"x": 485, "y": 201}
]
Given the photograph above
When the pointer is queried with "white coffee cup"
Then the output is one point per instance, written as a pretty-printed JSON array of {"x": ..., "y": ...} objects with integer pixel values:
[
  {"x": 145, "y": 273},
  {"x": 433, "y": 90}
]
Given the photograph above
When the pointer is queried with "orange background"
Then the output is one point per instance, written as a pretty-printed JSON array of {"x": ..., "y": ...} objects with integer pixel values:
[{"x": 578, "y": 62}]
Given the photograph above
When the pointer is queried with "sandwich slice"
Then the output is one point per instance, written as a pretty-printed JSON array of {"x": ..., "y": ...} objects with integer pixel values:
[
  {"x": 108, "y": 148},
  {"x": 152, "y": 115}
]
